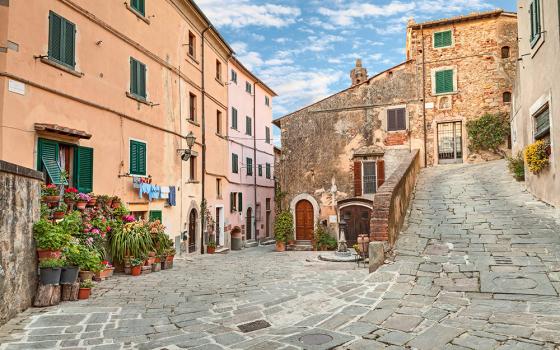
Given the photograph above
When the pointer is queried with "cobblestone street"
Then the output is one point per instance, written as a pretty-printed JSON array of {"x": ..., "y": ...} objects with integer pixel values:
[{"x": 477, "y": 267}]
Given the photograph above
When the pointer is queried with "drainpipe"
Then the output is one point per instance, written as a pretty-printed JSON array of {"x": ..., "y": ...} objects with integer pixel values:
[
  {"x": 203, "y": 215},
  {"x": 424, "y": 96},
  {"x": 255, "y": 158}
]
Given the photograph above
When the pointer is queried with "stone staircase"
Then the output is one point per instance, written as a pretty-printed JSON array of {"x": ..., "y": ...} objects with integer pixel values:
[{"x": 301, "y": 246}]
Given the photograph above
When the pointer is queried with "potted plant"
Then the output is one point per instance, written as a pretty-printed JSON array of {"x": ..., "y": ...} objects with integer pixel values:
[
  {"x": 85, "y": 289},
  {"x": 50, "y": 194},
  {"x": 82, "y": 201},
  {"x": 92, "y": 199},
  {"x": 211, "y": 247},
  {"x": 103, "y": 201},
  {"x": 49, "y": 271},
  {"x": 60, "y": 210},
  {"x": 106, "y": 271},
  {"x": 151, "y": 258},
  {"x": 133, "y": 239},
  {"x": 70, "y": 196},
  {"x": 89, "y": 262},
  {"x": 537, "y": 156},
  {"x": 70, "y": 270},
  {"x": 116, "y": 202},
  {"x": 50, "y": 238},
  {"x": 170, "y": 255},
  {"x": 136, "y": 264},
  {"x": 283, "y": 228}
]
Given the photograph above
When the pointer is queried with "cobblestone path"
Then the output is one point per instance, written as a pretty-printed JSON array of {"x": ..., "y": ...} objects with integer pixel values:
[{"x": 477, "y": 267}]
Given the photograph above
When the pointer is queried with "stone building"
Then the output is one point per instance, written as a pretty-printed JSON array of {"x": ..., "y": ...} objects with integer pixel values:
[
  {"x": 535, "y": 114},
  {"x": 337, "y": 152}
]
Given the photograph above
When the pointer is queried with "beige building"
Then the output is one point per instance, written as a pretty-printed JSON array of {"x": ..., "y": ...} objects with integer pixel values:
[
  {"x": 108, "y": 91},
  {"x": 536, "y": 114}
]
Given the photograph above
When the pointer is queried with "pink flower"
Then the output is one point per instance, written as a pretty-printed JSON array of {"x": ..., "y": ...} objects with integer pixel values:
[
  {"x": 89, "y": 240},
  {"x": 95, "y": 231}
]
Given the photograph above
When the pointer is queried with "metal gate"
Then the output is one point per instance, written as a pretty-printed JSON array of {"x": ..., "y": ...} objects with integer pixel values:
[{"x": 450, "y": 143}]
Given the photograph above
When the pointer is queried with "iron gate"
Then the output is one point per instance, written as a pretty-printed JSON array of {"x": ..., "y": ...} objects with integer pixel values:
[{"x": 450, "y": 143}]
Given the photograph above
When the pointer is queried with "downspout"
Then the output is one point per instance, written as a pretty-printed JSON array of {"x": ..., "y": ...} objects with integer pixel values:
[
  {"x": 203, "y": 215},
  {"x": 255, "y": 158},
  {"x": 424, "y": 96}
]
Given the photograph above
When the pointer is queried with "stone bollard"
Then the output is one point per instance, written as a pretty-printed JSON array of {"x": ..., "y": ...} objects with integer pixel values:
[{"x": 376, "y": 255}]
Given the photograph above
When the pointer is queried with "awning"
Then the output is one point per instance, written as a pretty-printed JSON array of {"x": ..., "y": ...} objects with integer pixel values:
[{"x": 61, "y": 130}]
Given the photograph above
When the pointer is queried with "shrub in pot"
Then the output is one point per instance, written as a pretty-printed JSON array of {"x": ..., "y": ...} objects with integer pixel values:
[
  {"x": 136, "y": 264},
  {"x": 49, "y": 271},
  {"x": 132, "y": 239},
  {"x": 50, "y": 193},
  {"x": 89, "y": 262},
  {"x": 70, "y": 270},
  {"x": 50, "y": 238},
  {"x": 116, "y": 202},
  {"x": 70, "y": 196},
  {"x": 82, "y": 201},
  {"x": 211, "y": 247},
  {"x": 92, "y": 199},
  {"x": 85, "y": 289},
  {"x": 283, "y": 228},
  {"x": 59, "y": 211}
]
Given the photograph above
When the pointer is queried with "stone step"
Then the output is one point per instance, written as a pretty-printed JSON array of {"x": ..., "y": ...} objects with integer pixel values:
[
  {"x": 301, "y": 246},
  {"x": 222, "y": 250},
  {"x": 251, "y": 244},
  {"x": 269, "y": 241}
]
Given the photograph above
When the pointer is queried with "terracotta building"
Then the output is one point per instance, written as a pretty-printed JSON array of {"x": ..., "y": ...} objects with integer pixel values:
[
  {"x": 536, "y": 116},
  {"x": 108, "y": 93},
  {"x": 337, "y": 152}
]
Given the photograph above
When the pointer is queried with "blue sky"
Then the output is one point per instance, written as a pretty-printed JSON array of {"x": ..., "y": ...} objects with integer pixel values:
[{"x": 304, "y": 50}]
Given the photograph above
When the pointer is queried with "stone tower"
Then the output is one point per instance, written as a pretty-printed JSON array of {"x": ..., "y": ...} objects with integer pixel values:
[{"x": 358, "y": 74}]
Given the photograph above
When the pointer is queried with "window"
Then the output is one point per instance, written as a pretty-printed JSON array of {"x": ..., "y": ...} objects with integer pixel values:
[
  {"x": 507, "y": 97},
  {"x": 396, "y": 119},
  {"x": 248, "y": 87},
  {"x": 192, "y": 45},
  {"x": 444, "y": 81},
  {"x": 443, "y": 39},
  {"x": 62, "y": 40},
  {"x": 218, "y": 70},
  {"x": 192, "y": 107},
  {"x": 137, "y": 78},
  {"x": 138, "y": 6},
  {"x": 268, "y": 171},
  {"x": 249, "y": 167},
  {"x": 233, "y": 118},
  {"x": 53, "y": 157},
  {"x": 542, "y": 123},
  {"x": 535, "y": 14},
  {"x": 267, "y": 100},
  {"x": 248, "y": 126},
  {"x": 369, "y": 177},
  {"x": 137, "y": 158},
  {"x": 260, "y": 169},
  {"x": 267, "y": 134},
  {"x": 236, "y": 201},
  {"x": 234, "y": 164},
  {"x": 155, "y": 215},
  {"x": 268, "y": 204},
  {"x": 192, "y": 168},
  {"x": 219, "y": 188},
  {"x": 219, "y": 122},
  {"x": 505, "y": 52},
  {"x": 234, "y": 76}
]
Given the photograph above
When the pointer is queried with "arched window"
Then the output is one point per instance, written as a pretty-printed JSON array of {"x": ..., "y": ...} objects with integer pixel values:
[
  {"x": 507, "y": 97},
  {"x": 505, "y": 52}
]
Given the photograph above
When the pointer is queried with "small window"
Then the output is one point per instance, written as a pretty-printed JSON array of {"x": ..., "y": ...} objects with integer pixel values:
[
  {"x": 535, "y": 14},
  {"x": 443, "y": 39},
  {"x": 267, "y": 101},
  {"x": 219, "y": 188},
  {"x": 267, "y": 134},
  {"x": 192, "y": 168},
  {"x": 234, "y": 76},
  {"x": 234, "y": 164},
  {"x": 233, "y": 118},
  {"x": 369, "y": 178},
  {"x": 505, "y": 52},
  {"x": 249, "y": 167},
  {"x": 137, "y": 158},
  {"x": 233, "y": 201},
  {"x": 260, "y": 170},
  {"x": 62, "y": 40},
  {"x": 267, "y": 204},
  {"x": 219, "y": 122},
  {"x": 444, "y": 81},
  {"x": 218, "y": 70},
  {"x": 155, "y": 215},
  {"x": 248, "y": 126},
  {"x": 137, "y": 78},
  {"x": 268, "y": 171},
  {"x": 396, "y": 119},
  {"x": 507, "y": 97},
  {"x": 248, "y": 87},
  {"x": 138, "y": 6},
  {"x": 542, "y": 123},
  {"x": 192, "y": 107},
  {"x": 192, "y": 45}
]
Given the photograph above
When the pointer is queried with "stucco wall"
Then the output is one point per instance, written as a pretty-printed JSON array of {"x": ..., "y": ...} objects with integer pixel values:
[{"x": 20, "y": 190}]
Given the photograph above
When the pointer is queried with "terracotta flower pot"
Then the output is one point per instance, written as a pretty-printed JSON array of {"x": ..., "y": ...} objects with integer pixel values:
[
  {"x": 171, "y": 257},
  {"x": 84, "y": 293},
  {"x": 150, "y": 261},
  {"x": 211, "y": 250},
  {"x": 106, "y": 273},
  {"x": 51, "y": 199},
  {"x": 280, "y": 246},
  {"x": 86, "y": 275},
  {"x": 158, "y": 260},
  {"x": 109, "y": 203},
  {"x": 80, "y": 205},
  {"x": 115, "y": 204},
  {"x": 57, "y": 215},
  {"x": 136, "y": 270},
  {"x": 92, "y": 202},
  {"x": 48, "y": 254}
]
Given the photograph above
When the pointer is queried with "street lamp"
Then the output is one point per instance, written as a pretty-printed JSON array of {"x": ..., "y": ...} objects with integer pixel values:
[{"x": 187, "y": 153}]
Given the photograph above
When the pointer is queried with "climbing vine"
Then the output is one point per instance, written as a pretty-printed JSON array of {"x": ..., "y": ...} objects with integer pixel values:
[{"x": 488, "y": 132}]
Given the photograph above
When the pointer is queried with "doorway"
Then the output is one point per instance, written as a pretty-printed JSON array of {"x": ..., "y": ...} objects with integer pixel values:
[
  {"x": 358, "y": 222},
  {"x": 249, "y": 224},
  {"x": 304, "y": 221},
  {"x": 450, "y": 143},
  {"x": 192, "y": 231}
]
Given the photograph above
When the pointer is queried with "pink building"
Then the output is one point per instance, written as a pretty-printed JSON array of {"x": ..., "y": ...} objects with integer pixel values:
[{"x": 251, "y": 154}]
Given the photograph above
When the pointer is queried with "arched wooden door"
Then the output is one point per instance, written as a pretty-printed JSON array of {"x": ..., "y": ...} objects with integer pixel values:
[
  {"x": 304, "y": 221},
  {"x": 249, "y": 223},
  {"x": 192, "y": 231}
]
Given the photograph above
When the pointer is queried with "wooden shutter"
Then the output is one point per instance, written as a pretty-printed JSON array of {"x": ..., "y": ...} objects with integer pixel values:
[
  {"x": 137, "y": 158},
  {"x": 133, "y": 76},
  {"x": 444, "y": 81},
  {"x": 47, "y": 160},
  {"x": 249, "y": 166},
  {"x": 240, "y": 198},
  {"x": 69, "y": 43},
  {"x": 234, "y": 118},
  {"x": 141, "y": 79},
  {"x": 391, "y": 120},
  {"x": 232, "y": 202},
  {"x": 83, "y": 169},
  {"x": 380, "y": 172},
  {"x": 248, "y": 126},
  {"x": 156, "y": 215},
  {"x": 401, "y": 119},
  {"x": 55, "y": 34},
  {"x": 234, "y": 163},
  {"x": 437, "y": 40},
  {"x": 357, "y": 179}
]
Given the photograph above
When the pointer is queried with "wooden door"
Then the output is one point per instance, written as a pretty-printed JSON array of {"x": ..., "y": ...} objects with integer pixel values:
[
  {"x": 358, "y": 222},
  {"x": 304, "y": 221},
  {"x": 192, "y": 231},
  {"x": 249, "y": 223}
]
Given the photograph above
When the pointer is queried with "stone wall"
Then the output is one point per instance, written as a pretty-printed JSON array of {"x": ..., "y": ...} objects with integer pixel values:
[
  {"x": 20, "y": 190},
  {"x": 392, "y": 199}
]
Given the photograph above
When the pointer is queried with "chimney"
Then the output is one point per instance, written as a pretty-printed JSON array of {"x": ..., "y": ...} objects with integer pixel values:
[{"x": 358, "y": 74}]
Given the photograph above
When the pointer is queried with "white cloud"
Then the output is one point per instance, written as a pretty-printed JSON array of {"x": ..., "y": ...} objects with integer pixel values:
[
  {"x": 345, "y": 16},
  {"x": 242, "y": 13}
]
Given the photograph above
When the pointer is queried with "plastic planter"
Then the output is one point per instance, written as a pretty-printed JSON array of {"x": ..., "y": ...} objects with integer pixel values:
[
  {"x": 50, "y": 275},
  {"x": 69, "y": 275}
]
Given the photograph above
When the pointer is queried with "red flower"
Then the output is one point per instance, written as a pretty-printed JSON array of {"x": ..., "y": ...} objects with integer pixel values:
[{"x": 71, "y": 190}]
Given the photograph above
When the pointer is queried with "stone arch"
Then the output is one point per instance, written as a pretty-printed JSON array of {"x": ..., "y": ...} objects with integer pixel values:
[{"x": 193, "y": 205}]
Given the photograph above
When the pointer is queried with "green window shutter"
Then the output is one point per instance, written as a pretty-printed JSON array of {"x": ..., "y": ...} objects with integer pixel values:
[
  {"x": 133, "y": 76},
  {"x": 249, "y": 167},
  {"x": 232, "y": 202},
  {"x": 137, "y": 78},
  {"x": 55, "y": 35},
  {"x": 139, "y": 6},
  {"x": 69, "y": 43},
  {"x": 260, "y": 169},
  {"x": 542, "y": 124},
  {"x": 234, "y": 118},
  {"x": 83, "y": 169},
  {"x": 137, "y": 158},
  {"x": 248, "y": 127},
  {"x": 240, "y": 198},
  {"x": 443, "y": 39},
  {"x": 62, "y": 40},
  {"x": 141, "y": 80},
  {"x": 47, "y": 160},
  {"x": 155, "y": 215},
  {"x": 535, "y": 14},
  {"x": 267, "y": 134},
  {"x": 444, "y": 81},
  {"x": 234, "y": 164},
  {"x": 268, "y": 175}
]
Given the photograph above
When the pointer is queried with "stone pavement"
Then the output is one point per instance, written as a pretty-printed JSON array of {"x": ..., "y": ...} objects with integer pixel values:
[{"x": 477, "y": 267}]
